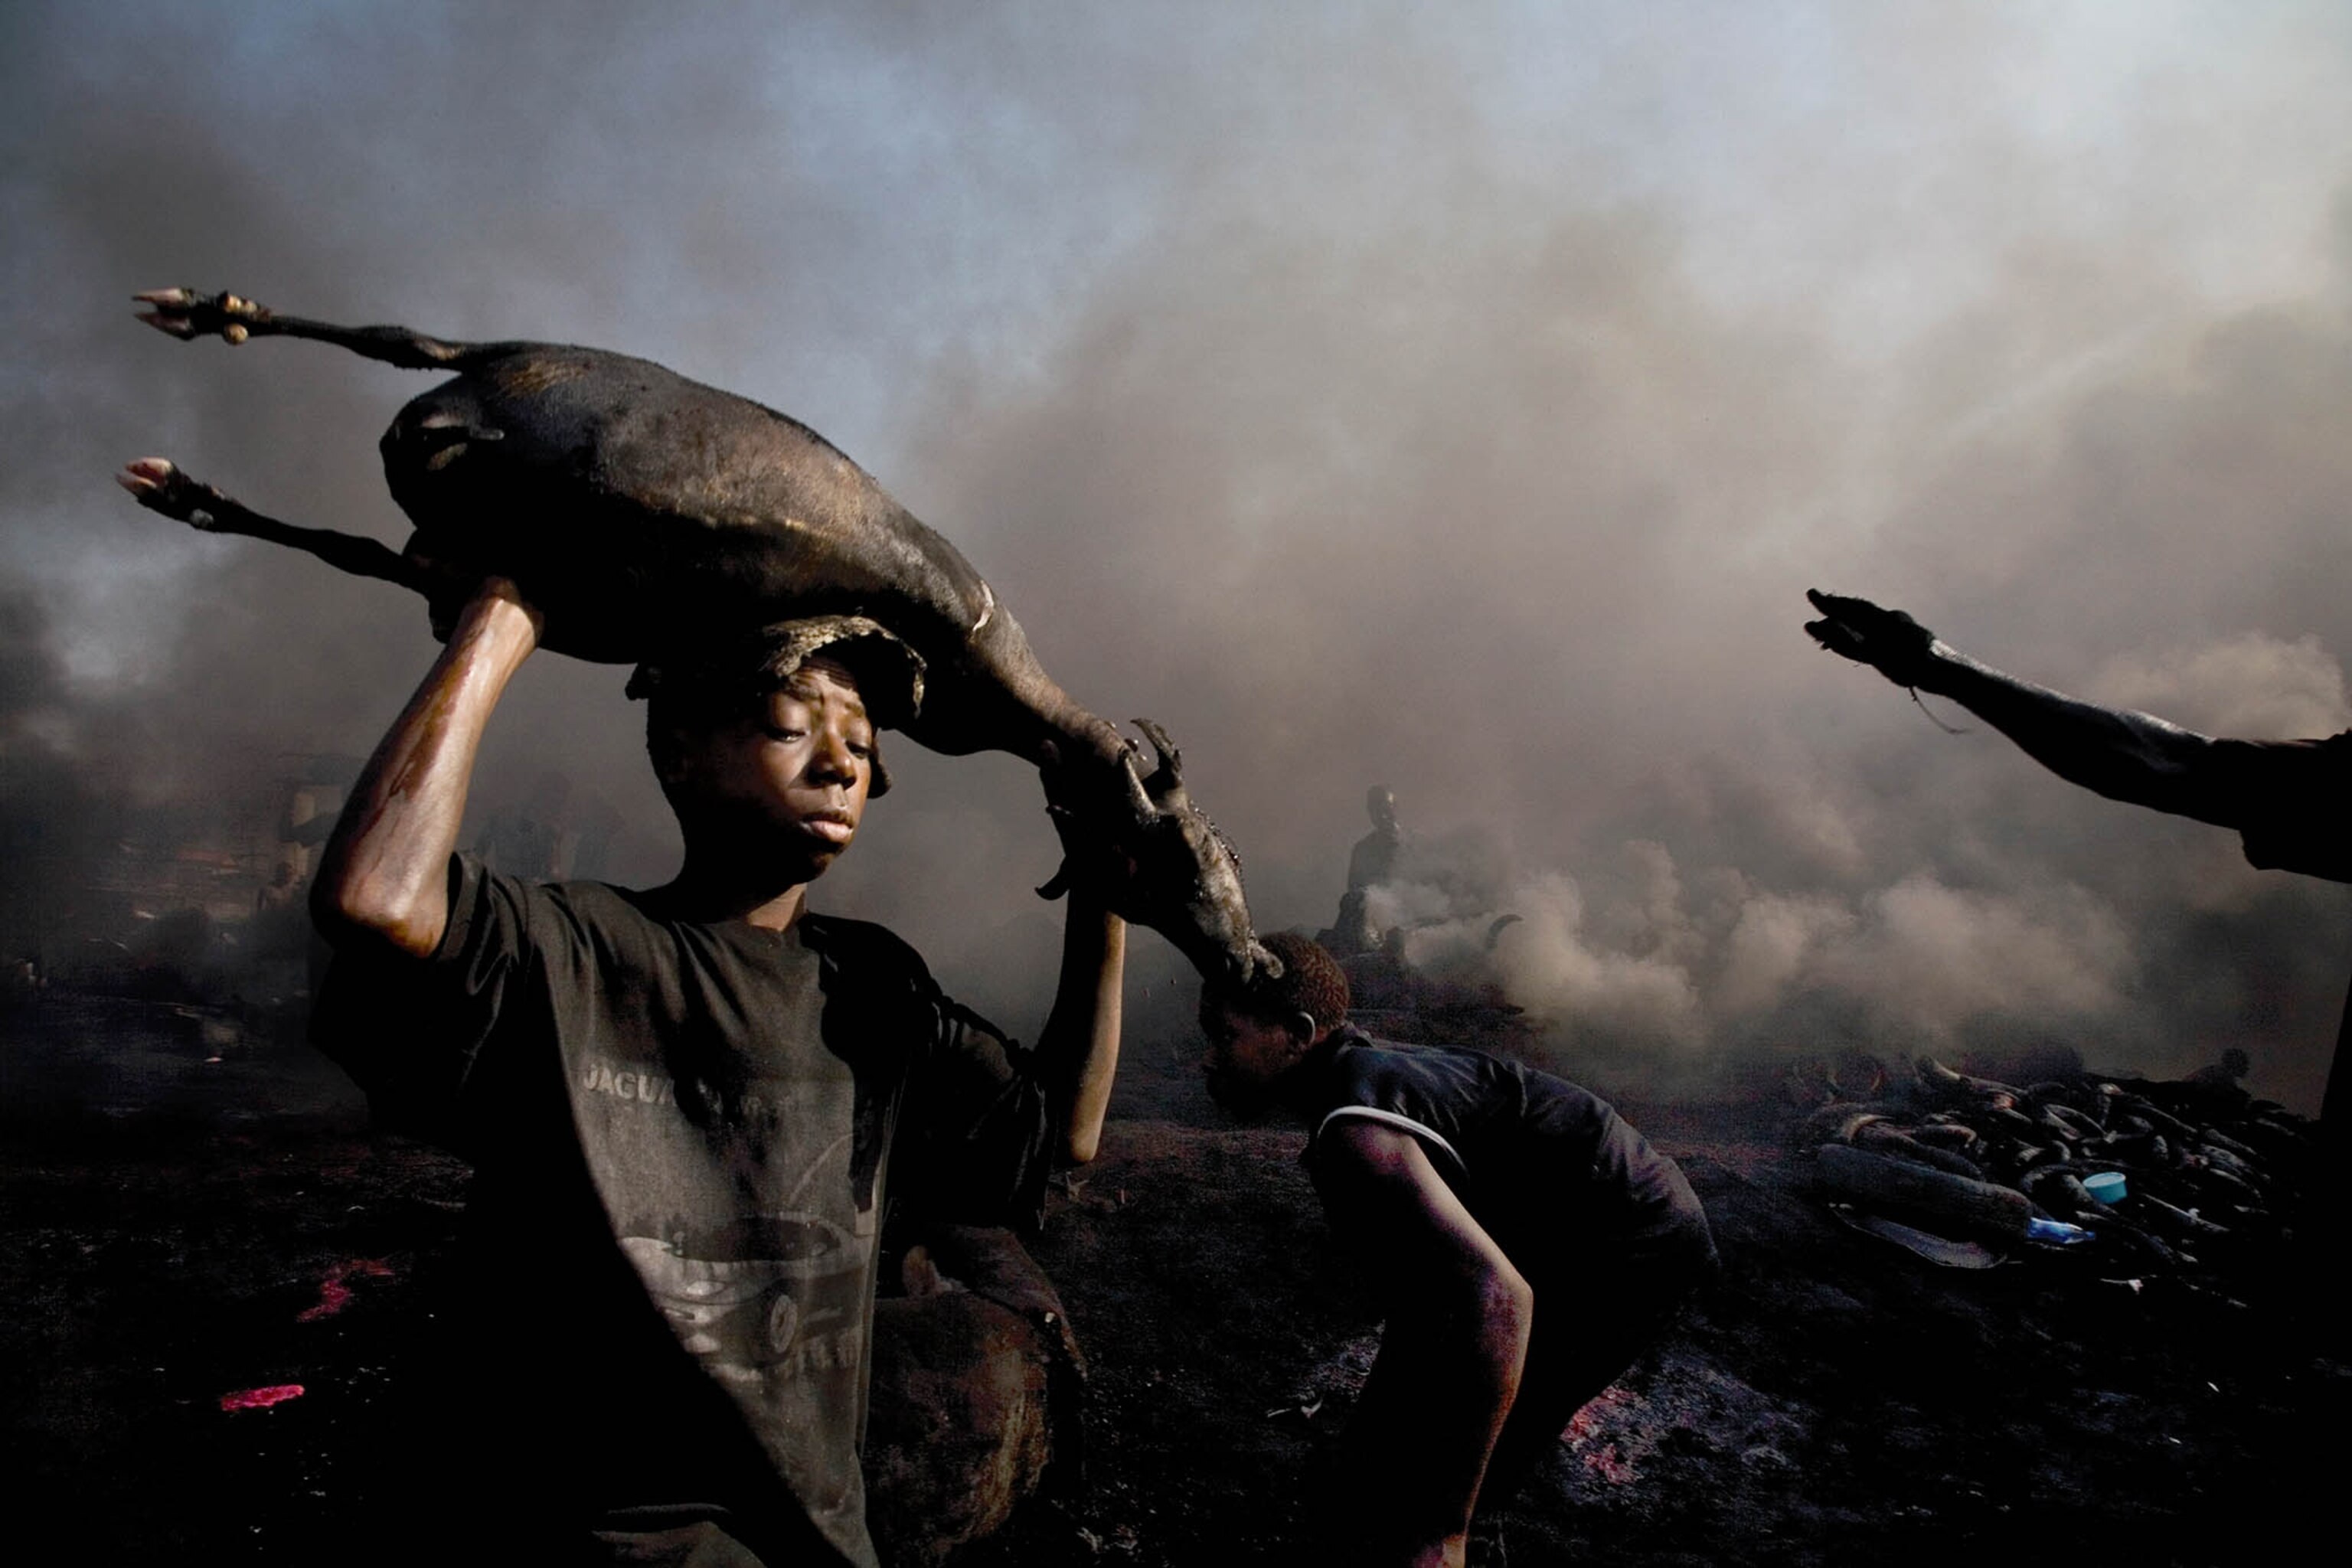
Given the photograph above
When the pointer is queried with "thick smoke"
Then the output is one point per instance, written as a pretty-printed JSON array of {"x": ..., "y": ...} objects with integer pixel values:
[{"x": 1462, "y": 402}]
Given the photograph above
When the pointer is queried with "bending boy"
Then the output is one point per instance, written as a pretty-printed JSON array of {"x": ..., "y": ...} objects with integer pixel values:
[{"x": 1529, "y": 1242}]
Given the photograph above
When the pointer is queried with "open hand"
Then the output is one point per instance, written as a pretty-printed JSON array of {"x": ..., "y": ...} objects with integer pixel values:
[
  {"x": 473, "y": 596},
  {"x": 451, "y": 583},
  {"x": 1889, "y": 641},
  {"x": 1094, "y": 867}
]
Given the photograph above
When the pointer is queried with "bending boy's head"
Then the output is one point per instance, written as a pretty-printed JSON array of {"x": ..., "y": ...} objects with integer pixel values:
[
  {"x": 1311, "y": 983},
  {"x": 1260, "y": 1030},
  {"x": 766, "y": 747}
]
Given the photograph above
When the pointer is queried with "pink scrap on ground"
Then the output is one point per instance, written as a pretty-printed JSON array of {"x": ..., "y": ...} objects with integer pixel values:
[
  {"x": 1609, "y": 1465},
  {"x": 334, "y": 1295},
  {"x": 1604, "y": 1461},
  {"x": 261, "y": 1398},
  {"x": 1584, "y": 1424}
]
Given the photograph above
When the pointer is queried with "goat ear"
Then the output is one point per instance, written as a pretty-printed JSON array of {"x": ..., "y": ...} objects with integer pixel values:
[
  {"x": 1169, "y": 774},
  {"x": 1138, "y": 797}
]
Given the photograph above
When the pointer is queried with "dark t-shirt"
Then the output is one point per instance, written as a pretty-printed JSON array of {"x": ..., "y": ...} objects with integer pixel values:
[
  {"x": 2295, "y": 803},
  {"x": 684, "y": 1137},
  {"x": 1550, "y": 1171}
]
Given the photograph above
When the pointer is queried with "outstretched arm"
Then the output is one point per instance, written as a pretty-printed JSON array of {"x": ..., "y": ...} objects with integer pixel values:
[
  {"x": 1450, "y": 1360},
  {"x": 1080, "y": 1040},
  {"x": 386, "y": 873},
  {"x": 2119, "y": 754}
]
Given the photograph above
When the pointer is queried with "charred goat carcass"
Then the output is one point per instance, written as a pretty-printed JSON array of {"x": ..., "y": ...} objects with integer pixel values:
[{"x": 643, "y": 511}]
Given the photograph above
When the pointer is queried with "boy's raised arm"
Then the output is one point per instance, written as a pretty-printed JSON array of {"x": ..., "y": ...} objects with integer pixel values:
[
  {"x": 1080, "y": 1039},
  {"x": 384, "y": 875}
]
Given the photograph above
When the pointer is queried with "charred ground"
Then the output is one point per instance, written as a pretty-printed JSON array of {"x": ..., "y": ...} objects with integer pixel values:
[{"x": 177, "y": 1229}]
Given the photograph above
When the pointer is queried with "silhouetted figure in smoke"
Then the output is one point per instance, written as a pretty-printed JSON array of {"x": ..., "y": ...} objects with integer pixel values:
[
  {"x": 528, "y": 839},
  {"x": 20, "y": 981},
  {"x": 1526, "y": 1242},
  {"x": 1380, "y": 978},
  {"x": 1372, "y": 861},
  {"x": 2291, "y": 801},
  {"x": 282, "y": 893},
  {"x": 2225, "y": 1074},
  {"x": 555, "y": 832},
  {"x": 280, "y": 928}
]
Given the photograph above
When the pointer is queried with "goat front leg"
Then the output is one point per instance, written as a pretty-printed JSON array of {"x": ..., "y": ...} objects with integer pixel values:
[
  {"x": 159, "y": 485},
  {"x": 185, "y": 314}
]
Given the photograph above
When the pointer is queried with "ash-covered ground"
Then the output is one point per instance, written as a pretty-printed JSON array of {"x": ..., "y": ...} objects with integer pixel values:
[{"x": 193, "y": 1213}]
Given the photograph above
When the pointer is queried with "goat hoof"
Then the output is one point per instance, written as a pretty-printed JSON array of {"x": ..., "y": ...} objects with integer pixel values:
[
  {"x": 159, "y": 485},
  {"x": 186, "y": 314}
]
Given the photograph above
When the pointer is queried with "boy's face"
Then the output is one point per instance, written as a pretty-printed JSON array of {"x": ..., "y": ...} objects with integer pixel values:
[
  {"x": 1245, "y": 1056},
  {"x": 786, "y": 783}
]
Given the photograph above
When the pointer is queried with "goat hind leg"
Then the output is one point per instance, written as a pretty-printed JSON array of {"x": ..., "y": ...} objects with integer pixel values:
[
  {"x": 161, "y": 486},
  {"x": 186, "y": 314}
]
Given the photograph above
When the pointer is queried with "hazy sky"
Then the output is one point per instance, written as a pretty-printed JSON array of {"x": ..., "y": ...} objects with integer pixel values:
[{"x": 1455, "y": 396}]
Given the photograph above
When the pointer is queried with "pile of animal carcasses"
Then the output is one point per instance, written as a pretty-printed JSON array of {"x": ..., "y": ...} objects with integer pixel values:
[{"x": 2211, "y": 1175}]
